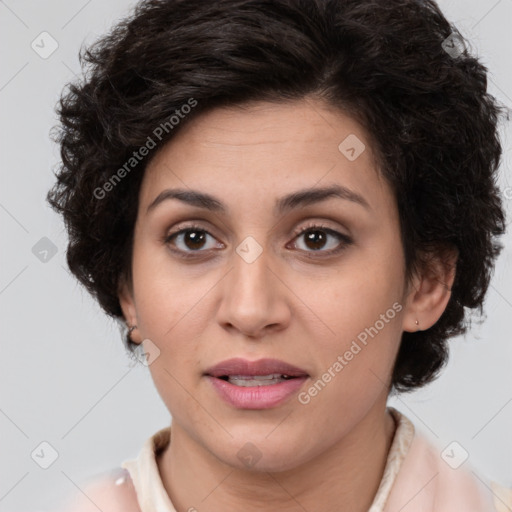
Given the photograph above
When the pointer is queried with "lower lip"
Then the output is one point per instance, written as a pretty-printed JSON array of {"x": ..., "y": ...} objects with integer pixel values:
[{"x": 256, "y": 397}]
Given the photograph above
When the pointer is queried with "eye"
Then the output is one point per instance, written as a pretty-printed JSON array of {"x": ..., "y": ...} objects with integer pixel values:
[
  {"x": 316, "y": 238},
  {"x": 191, "y": 239}
]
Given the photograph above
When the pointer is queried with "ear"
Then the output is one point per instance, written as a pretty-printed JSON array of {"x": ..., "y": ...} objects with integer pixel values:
[
  {"x": 127, "y": 302},
  {"x": 430, "y": 289}
]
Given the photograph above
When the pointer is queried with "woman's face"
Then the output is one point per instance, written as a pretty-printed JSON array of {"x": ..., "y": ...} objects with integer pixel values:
[{"x": 242, "y": 283}]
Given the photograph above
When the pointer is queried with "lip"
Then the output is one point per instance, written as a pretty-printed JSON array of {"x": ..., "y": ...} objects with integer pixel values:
[
  {"x": 240, "y": 366},
  {"x": 255, "y": 397}
]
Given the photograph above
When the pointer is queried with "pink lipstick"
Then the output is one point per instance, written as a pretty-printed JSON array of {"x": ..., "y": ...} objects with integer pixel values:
[{"x": 260, "y": 384}]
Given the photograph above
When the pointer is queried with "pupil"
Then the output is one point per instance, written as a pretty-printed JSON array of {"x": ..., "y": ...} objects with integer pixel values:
[
  {"x": 317, "y": 237},
  {"x": 194, "y": 238}
]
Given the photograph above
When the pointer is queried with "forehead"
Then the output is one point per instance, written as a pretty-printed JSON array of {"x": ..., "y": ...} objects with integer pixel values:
[
  {"x": 291, "y": 124},
  {"x": 265, "y": 150}
]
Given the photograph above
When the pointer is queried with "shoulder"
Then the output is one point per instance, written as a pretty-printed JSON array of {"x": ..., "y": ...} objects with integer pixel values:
[
  {"x": 503, "y": 497},
  {"x": 112, "y": 491},
  {"x": 430, "y": 475}
]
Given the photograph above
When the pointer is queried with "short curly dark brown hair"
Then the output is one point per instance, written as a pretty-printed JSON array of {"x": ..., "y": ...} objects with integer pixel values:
[{"x": 397, "y": 66}]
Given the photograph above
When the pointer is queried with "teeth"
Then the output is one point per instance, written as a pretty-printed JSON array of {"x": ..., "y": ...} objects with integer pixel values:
[{"x": 257, "y": 380}]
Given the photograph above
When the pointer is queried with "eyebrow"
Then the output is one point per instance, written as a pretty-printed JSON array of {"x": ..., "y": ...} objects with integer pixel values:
[{"x": 297, "y": 199}]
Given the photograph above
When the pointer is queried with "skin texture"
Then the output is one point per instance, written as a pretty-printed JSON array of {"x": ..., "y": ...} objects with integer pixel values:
[{"x": 328, "y": 454}]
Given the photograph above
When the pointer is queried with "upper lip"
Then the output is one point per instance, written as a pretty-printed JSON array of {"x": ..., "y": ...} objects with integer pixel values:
[{"x": 240, "y": 366}]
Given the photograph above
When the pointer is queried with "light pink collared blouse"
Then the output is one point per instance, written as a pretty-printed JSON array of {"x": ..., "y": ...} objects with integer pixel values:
[{"x": 416, "y": 479}]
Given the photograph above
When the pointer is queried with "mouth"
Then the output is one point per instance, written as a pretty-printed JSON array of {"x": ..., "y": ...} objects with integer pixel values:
[
  {"x": 263, "y": 372},
  {"x": 258, "y": 384},
  {"x": 246, "y": 381}
]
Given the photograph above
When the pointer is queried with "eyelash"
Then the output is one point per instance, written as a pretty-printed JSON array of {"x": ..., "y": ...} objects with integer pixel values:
[{"x": 346, "y": 240}]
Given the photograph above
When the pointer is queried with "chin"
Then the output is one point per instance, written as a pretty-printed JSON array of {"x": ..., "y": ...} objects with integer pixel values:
[{"x": 258, "y": 454}]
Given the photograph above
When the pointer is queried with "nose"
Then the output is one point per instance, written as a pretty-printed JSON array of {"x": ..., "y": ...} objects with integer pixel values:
[{"x": 254, "y": 299}]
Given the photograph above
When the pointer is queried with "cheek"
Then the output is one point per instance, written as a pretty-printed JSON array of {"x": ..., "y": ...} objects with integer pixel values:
[
  {"x": 354, "y": 298},
  {"x": 356, "y": 363},
  {"x": 360, "y": 308},
  {"x": 172, "y": 382},
  {"x": 165, "y": 296}
]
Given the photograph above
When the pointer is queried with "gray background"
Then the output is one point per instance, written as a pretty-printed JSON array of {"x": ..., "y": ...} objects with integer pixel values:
[{"x": 65, "y": 378}]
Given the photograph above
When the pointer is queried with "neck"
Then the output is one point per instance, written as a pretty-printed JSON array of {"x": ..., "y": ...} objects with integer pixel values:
[{"x": 343, "y": 478}]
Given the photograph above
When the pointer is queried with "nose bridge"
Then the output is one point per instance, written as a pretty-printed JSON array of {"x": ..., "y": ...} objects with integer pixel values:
[
  {"x": 251, "y": 295},
  {"x": 251, "y": 269}
]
